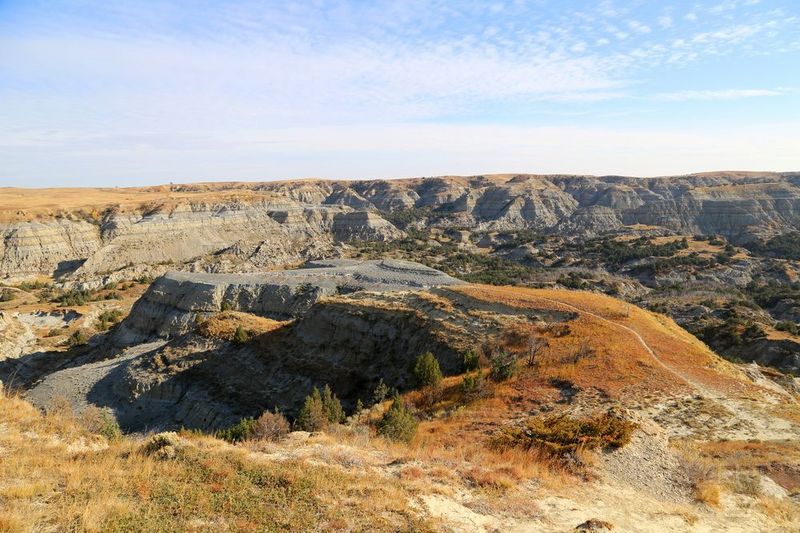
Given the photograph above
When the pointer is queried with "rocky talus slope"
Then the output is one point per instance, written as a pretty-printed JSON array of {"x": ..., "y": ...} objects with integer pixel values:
[{"x": 252, "y": 226}]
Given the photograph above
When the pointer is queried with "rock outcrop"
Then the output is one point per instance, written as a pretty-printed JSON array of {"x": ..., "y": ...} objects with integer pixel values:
[
  {"x": 176, "y": 301},
  {"x": 291, "y": 219}
]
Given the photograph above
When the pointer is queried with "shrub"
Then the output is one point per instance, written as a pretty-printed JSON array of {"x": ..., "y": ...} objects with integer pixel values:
[
  {"x": 472, "y": 361},
  {"x": 331, "y": 406},
  {"x": 225, "y": 306},
  {"x": 398, "y": 423},
  {"x": 788, "y": 326},
  {"x": 163, "y": 445},
  {"x": 380, "y": 393},
  {"x": 240, "y": 336},
  {"x": 108, "y": 318},
  {"x": 73, "y": 298},
  {"x": 427, "y": 370},
  {"x": 6, "y": 295},
  {"x": 562, "y": 434},
  {"x": 473, "y": 385},
  {"x": 270, "y": 426},
  {"x": 504, "y": 365},
  {"x": 78, "y": 338},
  {"x": 240, "y": 431},
  {"x": 101, "y": 422},
  {"x": 312, "y": 416}
]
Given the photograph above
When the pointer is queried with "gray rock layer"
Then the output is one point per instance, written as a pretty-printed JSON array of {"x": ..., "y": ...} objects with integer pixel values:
[{"x": 740, "y": 206}]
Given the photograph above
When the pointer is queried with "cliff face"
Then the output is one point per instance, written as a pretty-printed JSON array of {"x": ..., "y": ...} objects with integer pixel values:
[
  {"x": 175, "y": 302},
  {"x": 278, "y": 223}
]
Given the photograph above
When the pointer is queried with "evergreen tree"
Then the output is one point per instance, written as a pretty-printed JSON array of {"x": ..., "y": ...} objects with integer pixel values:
[
  {"x": 380, "y": 393},
  {"x": 427, "y": 370},
  {"x": 398, "y": 423},
  {"x": 331, "y": 406},
  {"x": 312, "y": 416}
]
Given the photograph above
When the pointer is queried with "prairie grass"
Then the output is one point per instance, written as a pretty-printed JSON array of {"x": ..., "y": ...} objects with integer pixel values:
[{"x": 54, "y": 475}]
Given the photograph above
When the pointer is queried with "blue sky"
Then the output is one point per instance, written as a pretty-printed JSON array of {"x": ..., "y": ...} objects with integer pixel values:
[{"x": 128, "y": 93}]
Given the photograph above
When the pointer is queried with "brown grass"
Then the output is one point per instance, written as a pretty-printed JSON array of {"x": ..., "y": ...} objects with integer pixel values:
[
  {"x": 55, "y": 476},
  {"x": 223, "y": 325},
  {"x": 621, "y": 364},
  {"x": 704, "y": 477},
  {"x": 780, "y": 460}
]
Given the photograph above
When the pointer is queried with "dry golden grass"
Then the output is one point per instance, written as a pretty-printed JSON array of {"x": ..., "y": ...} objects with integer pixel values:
[
  {"x": 26, "y": 204},
  {"x": 780, "y": 460},
  {"x": 621, "y": 363},
  {"x": 703, "y": 475},
  {"x": 223, "y": 325},
  {"x": 783, "y": 511},
  {"x": 55, "y": 476}
]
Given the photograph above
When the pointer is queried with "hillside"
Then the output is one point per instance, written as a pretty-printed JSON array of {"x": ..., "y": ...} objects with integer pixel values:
[
  {"x": 714, "y": 445},
  {"x": 603, "y": 351}
]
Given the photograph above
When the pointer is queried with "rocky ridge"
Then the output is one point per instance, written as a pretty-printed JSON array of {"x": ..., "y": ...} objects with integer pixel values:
[{"x": 302, "y": 220}]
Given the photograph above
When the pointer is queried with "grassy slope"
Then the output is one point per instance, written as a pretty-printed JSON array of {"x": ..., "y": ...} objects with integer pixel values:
[{"x": 53, "y": 475}]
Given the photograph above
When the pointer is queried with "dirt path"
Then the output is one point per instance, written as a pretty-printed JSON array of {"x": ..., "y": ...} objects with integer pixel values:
[
  {"x": 755, "y": 423},
  {"x": 693, "y": 384}
]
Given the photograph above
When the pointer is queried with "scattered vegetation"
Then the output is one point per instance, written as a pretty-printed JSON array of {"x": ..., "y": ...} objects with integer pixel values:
[
  {"x": 240, "y": 336},
  {"x": 562, "y": 434},
  {"x": 503, "y": 365},
  {"x": 398, "y": 422},
  {"x": 472, "y": 361},
  {"x": 108, "y": 318},
  {"x": 703, "y": 476},
  {"x": 785, "y": 246},
  {"x": 58, "y": 477},
  {"x": 79, "y": 337},
  {"x": 616, "y": 252},
  {"x": 319, "y": 410},
  {"x": 269, "y": 426},
  {"x": 473, "y": 385},
  {"x": 380, "y": 393},
  {"x": 7, "y": 295},
  {"x": 427, "y": 371},
  {"x": 72, "y": 298},
  {"x": 239, "y": 432}
]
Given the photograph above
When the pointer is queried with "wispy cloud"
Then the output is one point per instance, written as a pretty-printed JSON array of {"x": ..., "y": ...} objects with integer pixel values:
[
  {"x": 724, "y": 94},
  {"x": 100, "y": 79}
]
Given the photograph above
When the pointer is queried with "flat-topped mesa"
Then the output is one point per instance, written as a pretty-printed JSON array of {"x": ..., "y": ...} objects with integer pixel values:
[{"x": 177, "y": 300}]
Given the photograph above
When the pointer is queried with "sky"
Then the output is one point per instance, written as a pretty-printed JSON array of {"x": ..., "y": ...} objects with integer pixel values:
[{"x": 117, "y": 93}]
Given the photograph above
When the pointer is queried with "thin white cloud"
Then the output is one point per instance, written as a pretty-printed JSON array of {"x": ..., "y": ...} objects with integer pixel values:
[
  {"x": 725, "y": 94},
  {"x": 146, "y": 80},
  {"x": 638, "y": 27}
]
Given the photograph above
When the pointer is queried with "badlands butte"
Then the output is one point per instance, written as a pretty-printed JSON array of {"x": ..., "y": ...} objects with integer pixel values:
[{"x": 617, "y": 353}]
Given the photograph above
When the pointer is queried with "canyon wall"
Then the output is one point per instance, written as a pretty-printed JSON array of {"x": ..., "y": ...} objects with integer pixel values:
[{"x": 288, "y": 222}]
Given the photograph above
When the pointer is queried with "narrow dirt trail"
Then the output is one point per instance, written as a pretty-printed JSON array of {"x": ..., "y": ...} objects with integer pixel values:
[
  {"x": 681, "y": 376},
  {"x": 759, "y": 423}
]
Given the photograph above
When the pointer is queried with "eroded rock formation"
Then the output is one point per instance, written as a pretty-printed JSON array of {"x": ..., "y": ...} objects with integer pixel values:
[{"x": 289, "y": 222}]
